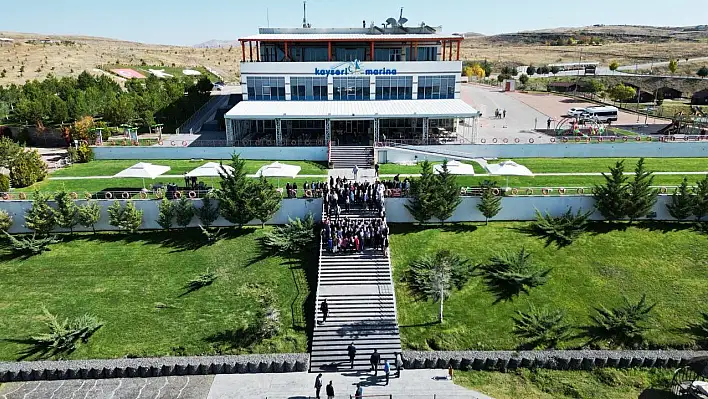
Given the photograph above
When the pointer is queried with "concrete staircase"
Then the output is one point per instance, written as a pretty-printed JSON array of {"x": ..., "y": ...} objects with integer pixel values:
[
  {"x": 346, "y": 157},
  {"x": 362, "y": 309}
]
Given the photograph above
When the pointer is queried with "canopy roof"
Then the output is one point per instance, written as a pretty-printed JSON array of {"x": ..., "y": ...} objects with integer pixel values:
[
  {"x": 210, "y": 169},
  {"x": 455, "y": 168},
  {"x": 509, "y": 168},
  {"x": 144, "y": 170},
  {"x": 277, "y": 169},
  {"x": 347, "y": 37},
  {"x": 455, "y": 108}
]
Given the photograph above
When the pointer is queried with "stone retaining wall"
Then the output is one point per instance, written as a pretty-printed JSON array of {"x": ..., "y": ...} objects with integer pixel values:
[
  {"x": 557, "y": 360},
  {"x": 152, "y": 367}
]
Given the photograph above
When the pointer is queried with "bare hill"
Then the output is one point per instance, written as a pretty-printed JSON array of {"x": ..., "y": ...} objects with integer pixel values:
[{"x": 615, "y": 33}]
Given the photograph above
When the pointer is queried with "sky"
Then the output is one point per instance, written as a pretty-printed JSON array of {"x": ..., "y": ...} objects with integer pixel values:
[{"x": 189, "y": 22}]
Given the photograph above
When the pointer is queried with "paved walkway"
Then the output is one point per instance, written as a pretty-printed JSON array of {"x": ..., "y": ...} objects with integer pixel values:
[{"x": 413, "y": 384}]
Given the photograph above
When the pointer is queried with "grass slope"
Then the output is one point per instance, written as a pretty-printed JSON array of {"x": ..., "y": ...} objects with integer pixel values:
[
  {"x": 601, "y": 266},
  {"x": 122, "y": 279},
  {"x": 554, "y": 384}
]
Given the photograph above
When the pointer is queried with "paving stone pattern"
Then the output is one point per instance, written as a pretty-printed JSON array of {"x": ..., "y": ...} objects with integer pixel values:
[{"x": 362, "y": 308}]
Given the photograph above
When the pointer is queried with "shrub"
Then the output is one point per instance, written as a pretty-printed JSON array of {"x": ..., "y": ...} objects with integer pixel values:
[
  {"x": 28, "y": 246},
  {"x": 296, "y": 237},
  {"x": 89, "y": 215},
  {"x": 562, "y": 229},
  {"x": 40, "y": 217},
  {"x": 83, "y": 154},
  {"x": 27, "y": 168},
  {"x": 489, "y": 205},
  {"x": 4, "y": 183},
  {"x": 201, "y": 281},
  {"x": 682, "y": 202},
  {"x": 63, "y": 336},
  {"x": 541, "y": 329},
  {"x": 510, "y": 273},
  {"x": 622, "y": 326},
  {"x": 184, "y": 211},
  {"x": 126, "y": 218},
  {"x": 167, "y": 212},
  {"x": 208, "y": 212},
  {"x": 5, "y": 220}
]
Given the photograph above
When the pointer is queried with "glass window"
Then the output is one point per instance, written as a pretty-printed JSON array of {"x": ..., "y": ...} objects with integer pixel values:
[
  {"x": 436, "y": 87},
  {"x": 261, "y": 88},
  {"x": 351, "y": 88},
  {"x": 308, "y": 88},
  {"x": 394, "y": 87}
]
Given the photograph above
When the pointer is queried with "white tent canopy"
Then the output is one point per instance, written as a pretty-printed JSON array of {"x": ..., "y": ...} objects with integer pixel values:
[
  {"x": 277, "y": 169},
  {"x": 143, "y": 170},
  {"x": 509, "y": 168},
  {"x": 210, "y": 169},
  {"x": 455, "y": 168}
]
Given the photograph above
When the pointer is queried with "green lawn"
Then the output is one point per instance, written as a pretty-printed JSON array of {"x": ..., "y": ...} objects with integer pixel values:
[
  {"x": 554, "y": 384},
  {"x": 565, "y": 181},
  {"x": 669, "y": 266},
  {"x": 135, "y": 285},
  {"x": 573, "y": 165},
  {"x": 178, "y": 167},
  {"x": 394, "y": 169}
]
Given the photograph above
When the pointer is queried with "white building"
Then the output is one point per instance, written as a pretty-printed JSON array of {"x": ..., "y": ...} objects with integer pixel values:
[{"x": 362, "y": 87}]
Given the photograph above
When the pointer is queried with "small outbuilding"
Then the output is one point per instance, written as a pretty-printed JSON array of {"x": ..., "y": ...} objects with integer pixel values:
[
  {"x": 668, "y": 93},
  {"x": 700, "y": 97},
  {"x": 562, "y": 87}
]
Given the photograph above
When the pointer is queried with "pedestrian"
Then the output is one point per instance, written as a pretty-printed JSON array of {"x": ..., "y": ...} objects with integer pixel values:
[
  {"x": 318, "y": 385},
  {"x": 330, "y": 390},
  {"x": 324, "y": 308},
  {"x": 359, "y": 391},
  {"x": 351, "y": 351},
  {"x": 355, "y": 170},
  {"x": 186, "y": 181},
  {"x": 504, "y": 114},
  {"x": 375, "y": 360},
  {"x": 399, "y": 364},
  {"x": 548, "y": 124},
  {"x": 449, "y": 373},
  {"x": 387, "y": 370},
  {"x": 376, "y": 169}
]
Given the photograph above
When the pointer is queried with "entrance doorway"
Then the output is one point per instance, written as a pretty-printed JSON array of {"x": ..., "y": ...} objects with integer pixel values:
[{"x": 353, "y": 132}]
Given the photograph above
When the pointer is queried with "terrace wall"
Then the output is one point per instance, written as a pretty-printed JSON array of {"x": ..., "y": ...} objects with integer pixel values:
[
  {"x": 263, "y": 153},
  {"x": 289, "y": 208}
]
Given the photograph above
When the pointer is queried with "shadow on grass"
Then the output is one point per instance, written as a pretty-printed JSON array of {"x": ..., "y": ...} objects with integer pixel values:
[
  {"x": 410, "y": 228},
  {"x": 653, "y": 393},
  {"x": 230, "y": 341},
  {"x": 428, "y": 324},
  {"x": 532, "y": 231},
  {"x": 190, "y": 239},
  {"x": 39, "y": 349}
]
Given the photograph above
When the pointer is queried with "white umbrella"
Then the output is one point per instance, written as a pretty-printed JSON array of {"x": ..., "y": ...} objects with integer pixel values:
[
  {"x": 210, "y": 169},
  {"x": 277, "y": 169},
  {"x": 143, "y": 170},
  {"x": 455, "y": 168},
  {"x": 509, "y": 168}
]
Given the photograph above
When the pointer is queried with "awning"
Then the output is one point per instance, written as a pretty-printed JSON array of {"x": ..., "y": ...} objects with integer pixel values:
[
  {"x": 343, "y": 110},
  {"x": 210, "y": 169}
]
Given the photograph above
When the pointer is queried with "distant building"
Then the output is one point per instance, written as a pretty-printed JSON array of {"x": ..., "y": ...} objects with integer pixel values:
[
  {"x": 669, "y": 93},
  {"x": 5, "y": 40},
  {"x": 562, "y": 87}
]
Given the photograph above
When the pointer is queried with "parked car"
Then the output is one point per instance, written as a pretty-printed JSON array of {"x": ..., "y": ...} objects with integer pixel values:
[{"x": 576, "y": 112}]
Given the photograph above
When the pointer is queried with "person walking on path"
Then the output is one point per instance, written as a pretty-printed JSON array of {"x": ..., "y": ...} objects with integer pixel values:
[
  {"x": 351, "y": 351},
  {"x": 318, "y": 385},
  {"x": 356, "y": 172},
  {"x": 375, "y": 360},
  {"x": 399, "y": 364},
  {"x": 387, "y": 371},
  {"x": 186, "y": 181},
  {"x": 330, "y": 390},
  {"x": 376, "y": 169},
  {"x": 504, "y": 114},
  {"x": 324, "y": 308},
  {"x": 548, "y": 124},
  {"x": 359, "y": 391}
]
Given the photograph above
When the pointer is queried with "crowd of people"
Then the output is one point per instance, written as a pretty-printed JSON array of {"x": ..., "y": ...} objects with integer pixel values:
[
  {"x": 341, "y": 195},
  {"x": 345, "y": 235}
]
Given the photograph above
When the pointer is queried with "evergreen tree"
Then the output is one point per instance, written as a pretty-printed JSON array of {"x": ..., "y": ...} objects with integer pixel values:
[
  {"x": 489, "y": 205},
  {"x": 67, "y": 212},
  {"x": 184, "y": 211},
  {"x": 447, "y": 193},
  {"x": 167, "y": 213},
  {"x": 641, "y": 197},
  {"x": 41, "y": 217},
  {"x": 5, "y": 220},
  {"x": 89, "y": 215},
  {"x": 266, "y": 200},
  {"x": 611, "y": 198},
  {"x": 681, "y": 205},
  {"x": 422, "y": 202},
  {"x": 127, "y": 218},
  {"x": 209, "y": 211},
  {"x": 700, "y": 201},
  {"x": 236, "y": 193}
]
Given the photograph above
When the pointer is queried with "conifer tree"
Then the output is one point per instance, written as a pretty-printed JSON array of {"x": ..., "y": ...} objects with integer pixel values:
[
  {"x": 236, "y": 193},
  {"x": 422, "y": 201},
  {"x": 700, "y": 201},
  {"x": 266, "y": 200},
  {"x": 447, "y": 192},
  {"x": 89, "y": 215},
  {"x": 641, "y": 196},
  {"x": 209, "y": 212},
  {"x": 167, "y": 213},
  {"x": 41, "y": 217},
  {"x": 67, "y": 212},
  {"x": 184, "y": 211},
  {"x": 611, "y": 198},
  {"x": 681, "y": 205},
  {"x": 489, "y": 205}
]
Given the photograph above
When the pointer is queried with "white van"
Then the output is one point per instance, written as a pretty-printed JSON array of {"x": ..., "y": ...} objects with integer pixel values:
[{"x": 601, "y": 114}]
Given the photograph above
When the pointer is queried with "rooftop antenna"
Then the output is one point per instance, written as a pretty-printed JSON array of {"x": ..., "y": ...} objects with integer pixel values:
[
  {"x": 268, "y": 17},
  {"x": 304, "y": 15},
  {"x": 392, "y": 22},
  {"x": 401, "y": 20}
]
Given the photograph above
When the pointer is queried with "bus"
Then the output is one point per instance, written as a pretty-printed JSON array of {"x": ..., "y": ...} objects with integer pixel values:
[{"x": 600, "y": 114}]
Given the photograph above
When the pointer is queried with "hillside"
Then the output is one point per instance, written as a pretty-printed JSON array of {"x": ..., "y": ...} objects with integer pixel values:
[
  {"x": 612, "y": 33},
  {"x": 70, "y": 55}
]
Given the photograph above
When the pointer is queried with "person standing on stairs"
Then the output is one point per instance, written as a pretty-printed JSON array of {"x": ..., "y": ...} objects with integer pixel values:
[
  {"x": 330, "y": 391},
  {"x": 351, "y": 351},
  {"x": 318, "y": 385},
  {"x": 375, "y": 360},
  {"x": 324, "y": 308},
  {"x": 399, "y": 364},
  {"x": 387, "y": 371},
  {"x": 376, "y": 169},
  {"x": 359, "y": 391},
  {"x": 356, "y": 172}
]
